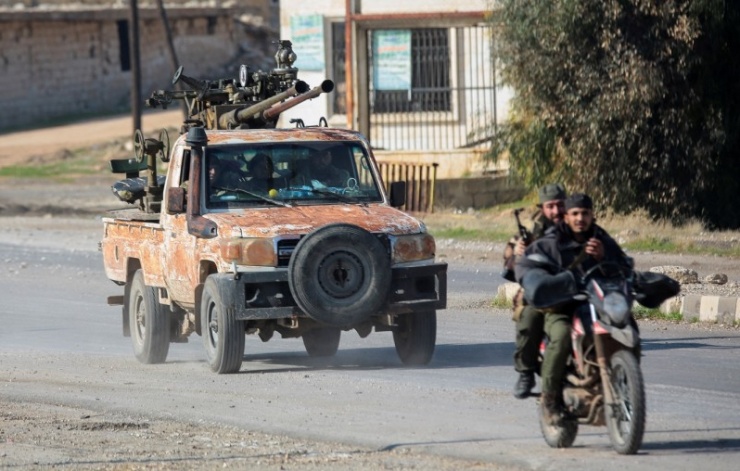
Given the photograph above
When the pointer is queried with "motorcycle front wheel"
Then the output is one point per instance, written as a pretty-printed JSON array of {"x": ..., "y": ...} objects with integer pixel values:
[
  {"x": 625, "y": 419},
  {"x": 559, "y": 436}
]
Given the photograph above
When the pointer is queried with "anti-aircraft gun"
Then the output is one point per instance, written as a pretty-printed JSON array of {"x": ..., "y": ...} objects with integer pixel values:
[
  {"x": 253, "y": 101},
  {"x": 247, "y": 103}
]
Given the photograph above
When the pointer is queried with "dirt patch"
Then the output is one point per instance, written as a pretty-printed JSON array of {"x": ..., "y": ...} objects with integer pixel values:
[{"x": 42, "y": 436}]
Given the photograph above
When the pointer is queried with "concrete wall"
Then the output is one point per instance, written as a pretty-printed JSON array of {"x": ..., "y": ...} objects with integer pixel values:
[
  {"x": 451, "y": 163},
  {"x": 476, "y": 193},
  {"x": 66, "y": 63}
]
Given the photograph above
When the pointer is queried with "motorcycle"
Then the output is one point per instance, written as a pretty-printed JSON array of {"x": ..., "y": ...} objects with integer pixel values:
[{"x": 603, "y": 382}]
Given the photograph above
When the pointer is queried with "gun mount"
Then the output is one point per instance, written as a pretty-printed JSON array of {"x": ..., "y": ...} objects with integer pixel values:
[
  {"x": 250, "y": 102},
  {"x": 253, "y": 101}
]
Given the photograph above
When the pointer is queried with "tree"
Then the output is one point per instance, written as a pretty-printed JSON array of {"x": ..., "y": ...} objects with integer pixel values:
[{"x": 623, "y": 99}]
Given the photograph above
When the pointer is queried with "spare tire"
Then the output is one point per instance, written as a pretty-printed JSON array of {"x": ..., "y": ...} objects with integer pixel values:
[{"x": 340, "y": 275}]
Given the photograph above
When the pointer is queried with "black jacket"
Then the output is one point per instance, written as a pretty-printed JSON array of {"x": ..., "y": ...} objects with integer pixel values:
[{"x": 546, "y": 272}]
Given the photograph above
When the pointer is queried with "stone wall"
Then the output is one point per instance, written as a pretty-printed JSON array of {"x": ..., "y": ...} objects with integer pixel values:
[{"x": 62, "y": 64}]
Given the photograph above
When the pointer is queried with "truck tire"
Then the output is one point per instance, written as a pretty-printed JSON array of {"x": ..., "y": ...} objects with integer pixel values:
[
  {"x": 149, "y": 322},
  {"x": 415, "y": 336},
  {"x": 223, "y": 335},
  {"x": 322, "y": 341},
  {"x": 340, "y": 275}
]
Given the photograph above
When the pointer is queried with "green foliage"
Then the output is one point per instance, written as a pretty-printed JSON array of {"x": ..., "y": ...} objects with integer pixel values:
[
  {"x": 632, "y": 101},
  {"x": 641, "y": 312},
  {"x": 77, "y": 163},
  {"x": 500, "y": 302}
]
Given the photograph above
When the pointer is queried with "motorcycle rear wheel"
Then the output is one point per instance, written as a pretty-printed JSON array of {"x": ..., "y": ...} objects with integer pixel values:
[
  {"x": 626, "y": 420},
  {"x": 559, "y": 436}
]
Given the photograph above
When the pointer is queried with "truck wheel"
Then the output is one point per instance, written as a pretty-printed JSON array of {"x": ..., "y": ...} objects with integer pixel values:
[
  {"x": 149, "y": 322},
  {"x": 322, "y": 342},
  {"x": 223, "y": 335},
  {"x": 415, "y": 336},
  {"x": 340, "y": 275}
]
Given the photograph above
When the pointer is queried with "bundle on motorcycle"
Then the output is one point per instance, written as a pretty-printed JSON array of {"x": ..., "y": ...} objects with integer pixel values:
[{"x": 603, "y": 383}]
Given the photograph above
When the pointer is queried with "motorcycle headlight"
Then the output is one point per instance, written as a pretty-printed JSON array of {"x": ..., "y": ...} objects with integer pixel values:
[
  {"x": 250, "y": 251},
  {"x": 617, "y": 309},
  {"x": 412, "y": 248}
]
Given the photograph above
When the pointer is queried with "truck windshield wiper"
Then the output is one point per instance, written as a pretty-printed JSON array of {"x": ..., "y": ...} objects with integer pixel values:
[
  {"x": 255, "y": 195},
  {"x": 338, "y": 196}
]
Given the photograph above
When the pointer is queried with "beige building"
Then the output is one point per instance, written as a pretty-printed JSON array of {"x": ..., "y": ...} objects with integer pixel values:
[
  {"x": 65, "y": 60},
  {"x": 422, "y": 85}
]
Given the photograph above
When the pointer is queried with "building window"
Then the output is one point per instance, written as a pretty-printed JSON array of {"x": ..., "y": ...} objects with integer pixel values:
[
  {"x": 430, "y": 76},
  {"x": 123, "y": 46},
  {"x": 339, "y": 97}
]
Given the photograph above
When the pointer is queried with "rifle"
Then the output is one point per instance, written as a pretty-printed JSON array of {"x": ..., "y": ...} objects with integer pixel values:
[{"x": 526, "y": 236}]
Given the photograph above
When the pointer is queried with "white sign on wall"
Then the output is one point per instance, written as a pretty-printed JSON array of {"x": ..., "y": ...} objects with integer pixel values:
[
  {"x": 392, "y": 59},
  {"x": 307, "y": 35}
]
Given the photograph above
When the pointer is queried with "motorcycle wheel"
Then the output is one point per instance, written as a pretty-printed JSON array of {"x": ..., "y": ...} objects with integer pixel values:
[
  {"x": 559, "y": 436},
  {"x": 626, "y": 419}
]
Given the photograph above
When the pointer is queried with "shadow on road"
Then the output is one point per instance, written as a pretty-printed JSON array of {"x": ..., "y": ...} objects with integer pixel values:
[
  {"x": 445, "y": 356},
  {"x": 689, "y": 342},
  {"x": 720, "y": 445}
]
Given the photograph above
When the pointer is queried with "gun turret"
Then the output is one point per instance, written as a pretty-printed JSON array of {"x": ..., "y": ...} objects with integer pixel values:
[
  {"x": 251, "y": 101},
  {"x": 253, "y": 114},
  {"x": 273, "y": 112}
]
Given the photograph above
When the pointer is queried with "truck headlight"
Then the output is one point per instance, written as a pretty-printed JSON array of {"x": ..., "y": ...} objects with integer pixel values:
[
  {"x": 412, "y": 248},
  {"x": 251, "y": 251}
]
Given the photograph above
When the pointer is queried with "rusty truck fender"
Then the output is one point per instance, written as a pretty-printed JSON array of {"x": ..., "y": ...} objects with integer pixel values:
[{"x": 129, "y": 245}]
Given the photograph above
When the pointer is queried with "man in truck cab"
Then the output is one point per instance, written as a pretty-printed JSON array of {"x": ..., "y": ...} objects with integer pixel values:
[
  {"x": 222, "y": 176},
  {"x": 323, "y": 170},
  {"x": 261, "y": 177}
]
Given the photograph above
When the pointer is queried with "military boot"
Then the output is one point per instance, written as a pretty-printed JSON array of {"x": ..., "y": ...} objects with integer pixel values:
[
  {"x": 524, "y": 385},
  {"x": 550, "y": 409}
]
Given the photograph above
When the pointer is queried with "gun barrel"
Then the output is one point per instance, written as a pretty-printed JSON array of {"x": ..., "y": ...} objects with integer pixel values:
[
  {"x": 240, "y": 115},
  {"x": 274, "y": 111}
]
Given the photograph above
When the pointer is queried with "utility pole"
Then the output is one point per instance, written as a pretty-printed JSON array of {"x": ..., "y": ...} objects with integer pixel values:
[
  {"x": 171, "y": 47},
  {"x": 133, "y": 29}
]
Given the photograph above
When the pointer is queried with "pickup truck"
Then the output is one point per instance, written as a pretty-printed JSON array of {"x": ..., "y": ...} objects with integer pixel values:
[
  {"x": 300, "y": 257},
  {"x": 258, "y": 230}
]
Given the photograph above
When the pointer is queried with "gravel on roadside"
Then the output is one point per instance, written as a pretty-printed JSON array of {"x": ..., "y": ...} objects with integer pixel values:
[{"x": 36, "y": 436}]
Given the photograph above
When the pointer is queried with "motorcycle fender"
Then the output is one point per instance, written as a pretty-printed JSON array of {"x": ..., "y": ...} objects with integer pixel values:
[{"x": 627, "y": 336}]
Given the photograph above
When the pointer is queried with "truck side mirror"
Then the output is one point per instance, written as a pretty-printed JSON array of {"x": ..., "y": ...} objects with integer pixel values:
[
  {"x": 176, "y": 200},
  {"x": 398, "y": 194}
]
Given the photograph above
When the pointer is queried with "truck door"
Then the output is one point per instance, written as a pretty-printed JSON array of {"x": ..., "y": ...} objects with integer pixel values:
[{"x": 180, "y": 266}]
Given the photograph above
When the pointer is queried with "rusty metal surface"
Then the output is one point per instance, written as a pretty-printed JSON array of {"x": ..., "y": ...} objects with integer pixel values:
[
  {"x": 276, "y": 221},
  {"x": 281, "y": 135},
  {"x": 176, "y": 256},
  {"x": 125, "y": 240}
]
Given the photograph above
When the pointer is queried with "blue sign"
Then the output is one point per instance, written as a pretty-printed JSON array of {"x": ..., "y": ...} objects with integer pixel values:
[
  {"x": 392, "y": 59},
  {"x": 307, "y": 35}
]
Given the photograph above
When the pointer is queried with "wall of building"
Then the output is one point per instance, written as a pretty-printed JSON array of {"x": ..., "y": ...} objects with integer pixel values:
[
  {"x": 334, "y": 10},
  {"x": 59, "y": 64},
  {"x": 453, "y": 163},
  {"x": 476, "y": 192}
]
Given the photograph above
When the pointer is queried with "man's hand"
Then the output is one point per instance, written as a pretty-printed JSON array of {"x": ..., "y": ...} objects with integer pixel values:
[
  {"x": 519, "y": 248},
  {"x": 595, "y": 248}
]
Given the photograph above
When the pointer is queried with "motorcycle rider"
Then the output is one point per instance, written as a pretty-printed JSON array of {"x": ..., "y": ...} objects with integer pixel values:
[
  {"x": 530, "y": 320},
  {"x": 572, "y": 246}
]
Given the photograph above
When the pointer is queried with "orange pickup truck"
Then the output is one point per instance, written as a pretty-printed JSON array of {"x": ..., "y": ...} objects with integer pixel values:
[{"x": 260, "y": 231}]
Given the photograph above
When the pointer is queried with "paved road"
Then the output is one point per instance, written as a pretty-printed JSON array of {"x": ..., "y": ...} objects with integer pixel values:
[{"x": 61, "y": 344}]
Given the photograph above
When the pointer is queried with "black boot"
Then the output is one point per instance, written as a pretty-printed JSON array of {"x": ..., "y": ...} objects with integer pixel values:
[
  {"x": 524, "y": 385},
  {"x": 551, "y": 409}
]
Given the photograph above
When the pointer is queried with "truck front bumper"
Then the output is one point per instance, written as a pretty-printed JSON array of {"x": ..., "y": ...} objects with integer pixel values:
[{"x": 266, "y": 295}]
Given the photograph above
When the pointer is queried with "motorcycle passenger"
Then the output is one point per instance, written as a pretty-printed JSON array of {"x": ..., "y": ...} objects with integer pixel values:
[
  {"x": 529, "y": 320},
  {"x": 574, "y": 245}
]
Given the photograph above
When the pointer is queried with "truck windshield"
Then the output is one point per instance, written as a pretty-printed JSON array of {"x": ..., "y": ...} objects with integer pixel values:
[{"x": 248, "y": 175}]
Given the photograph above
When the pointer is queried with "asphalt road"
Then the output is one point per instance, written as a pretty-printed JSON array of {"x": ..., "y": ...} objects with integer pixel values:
[{"x": 61, "y": 344}]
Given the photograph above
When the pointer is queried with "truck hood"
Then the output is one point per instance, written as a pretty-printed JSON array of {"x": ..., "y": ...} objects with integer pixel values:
[{"x": 296, "y": 220}]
